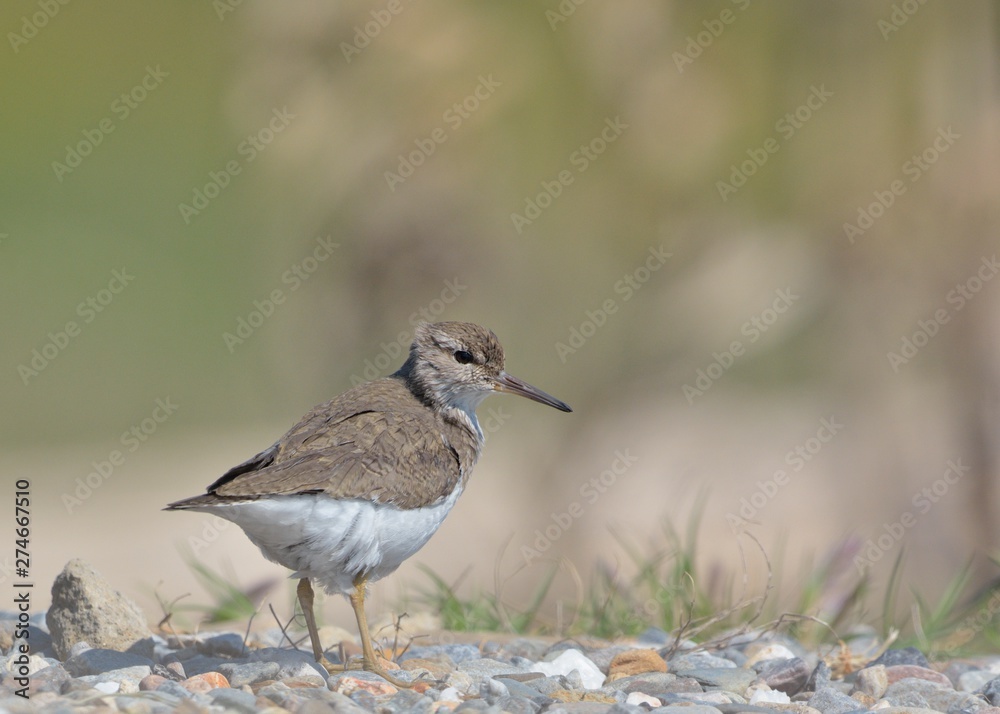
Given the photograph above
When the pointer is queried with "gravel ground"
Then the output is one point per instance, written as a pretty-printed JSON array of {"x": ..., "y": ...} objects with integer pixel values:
[
  {"x": 220, "y": 672},
  {"x": 215, "y": 672}
]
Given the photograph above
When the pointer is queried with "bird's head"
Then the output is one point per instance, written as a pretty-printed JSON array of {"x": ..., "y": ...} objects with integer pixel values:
[{"x": 459, "y": 364}]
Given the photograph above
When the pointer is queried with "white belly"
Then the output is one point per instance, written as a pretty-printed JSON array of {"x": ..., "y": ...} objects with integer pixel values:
[{"x": 335, "y": 541}]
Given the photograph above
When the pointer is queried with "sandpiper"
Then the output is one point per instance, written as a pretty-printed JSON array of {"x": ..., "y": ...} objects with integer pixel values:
[{"x": 364, "y": 480}]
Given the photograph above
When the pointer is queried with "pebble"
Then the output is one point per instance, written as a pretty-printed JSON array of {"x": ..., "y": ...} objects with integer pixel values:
[
  {"x": 630, "y": 662},
  {"x": 573, "y": 660},
  {"x": 786, "y": 675}
]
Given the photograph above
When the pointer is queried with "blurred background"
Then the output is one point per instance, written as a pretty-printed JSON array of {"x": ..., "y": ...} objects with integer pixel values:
[{"x": 752, "y": 244}]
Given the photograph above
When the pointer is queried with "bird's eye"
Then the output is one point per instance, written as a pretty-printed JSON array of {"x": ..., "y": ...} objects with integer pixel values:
[{"x": 463, "y": 357}]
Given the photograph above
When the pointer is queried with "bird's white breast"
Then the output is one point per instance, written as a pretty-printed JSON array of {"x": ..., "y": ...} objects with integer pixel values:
[{"x": 334, "y": 541}]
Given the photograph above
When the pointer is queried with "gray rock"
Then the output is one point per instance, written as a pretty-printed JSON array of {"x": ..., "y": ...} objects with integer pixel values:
[
  {"x": 406, "y": 701},
  {"x": 49, "y": 679},
  {"x": 991, "y": 691},
  {"x": 485, "y": 667},
  {"x": 456, "y": 653},
  {"x": 86, "y": 608},
  {"x": 227, "y": 644},
  {"x": 872, "y": 681},
  {"x": 906, "y": 655},
  {"x": 240, "y": 673},
  {"x": 174, "y": 689},
  {"x": 696, "y": 660},
  {"x": 128, "y": 678},
  {"x": 199, "y": 664},
  {"x": 96, "y": 661},
  {"x": 732, "y": 679},
  {"x": 820, "y": 678},
  {"x": 475, "y": 705},
  {"x": 527, "y": 691},
  {"x": 655, "y": 684},
  {"x": 343, "y": 704},
  {"x": 920, "y": 693},
  {"x": 830, "y": 701},
  {"x": 785, "y": 675},
  {"x": 521, "y": 705}
]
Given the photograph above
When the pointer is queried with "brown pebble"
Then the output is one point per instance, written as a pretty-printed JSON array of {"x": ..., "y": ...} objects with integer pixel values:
[
  {"x": 347, "y": 685},
  {"x": 571, "y": 695},
  {"x": 304, "y": 682},
  {"x": 205, "y": 682},
  {"x": 151, "y": 682},
  {"x": 908, "y": 671},
  {"x": 178, "y": 669},
  {"x": 630, "y": 662}
]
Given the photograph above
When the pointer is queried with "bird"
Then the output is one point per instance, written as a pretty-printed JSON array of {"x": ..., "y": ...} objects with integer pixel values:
[{"x": 364, "y": 480}]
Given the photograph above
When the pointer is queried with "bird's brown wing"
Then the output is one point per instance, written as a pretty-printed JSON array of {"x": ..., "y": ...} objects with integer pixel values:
[{"x": 394, "y": 455}]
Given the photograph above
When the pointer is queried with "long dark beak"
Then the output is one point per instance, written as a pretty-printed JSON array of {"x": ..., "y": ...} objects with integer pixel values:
[{"x": 508, "y": 383}]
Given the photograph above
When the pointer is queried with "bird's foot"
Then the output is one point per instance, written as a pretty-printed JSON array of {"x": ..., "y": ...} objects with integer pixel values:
[{"x": 375, "y": 667}]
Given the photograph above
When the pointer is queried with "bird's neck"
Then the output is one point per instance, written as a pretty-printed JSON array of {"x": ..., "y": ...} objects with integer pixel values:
[{"x": 454, "y": 405}]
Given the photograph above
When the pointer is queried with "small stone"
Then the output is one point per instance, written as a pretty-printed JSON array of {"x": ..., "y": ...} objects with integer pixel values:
[
  {"x": 657, "y": 684},
  {"x": 127, "y": 678},
  {"x": 406, "y": 701},
  {"x": 227, "y": 644},
  {"x": 234, "y": 700},
  {"x": 47, "y": 679},
  {"x": 872, "y": 681},
  {"x": 991, "y": 691},
  {"x": 351, "y": 682},
  {"x": 638, "y": 698},
  {"x": 820, "y": 677},
  {"x": 569, "y": 660},
  {"x": 205, "y": 682},
  {"x": 763, "y": 652},
  {"x": 829, "y": 701},
  {"x": 763, "y": 694},
  {"x": 86, "y": 608},
  {"x": 696, "y": 660},
  {"x": 897, "y": 672},
  {"x": 731, "y": 679},
  {"x": 454, "y": 653},
  {"x": 630, "y": 662},
  {"x": 240, "y": 673},
  {"x": 308, "y": 681},
  {"x": 906, "y": 655},
  {"x": 96, "y": 661},
  {"x": 107, "y": 687},
  {"x": 785, "y": 675},
  {"x": 486, "y": 667},
  {"x": 151, "y": 682},
  {"x": 520, "y": 689}
]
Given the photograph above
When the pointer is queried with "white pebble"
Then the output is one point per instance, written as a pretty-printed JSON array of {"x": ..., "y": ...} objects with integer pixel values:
[
  {"x": 107, "y": 687},
  {"x": 569, "y": 660},
  {"x": 766, "y": 694},
  {"x": 771, "y": 651},
  {"x": 450, "y": 694},
  {"x": 637, "y": 698}
]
